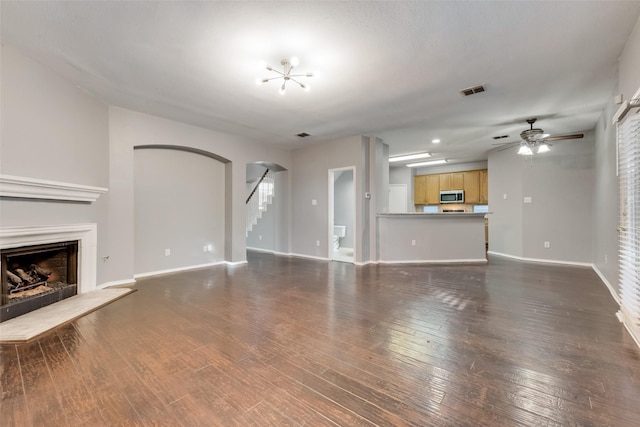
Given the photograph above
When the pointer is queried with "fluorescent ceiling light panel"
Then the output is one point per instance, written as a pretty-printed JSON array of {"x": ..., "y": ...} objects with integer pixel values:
[
  {"x": 430, "y": 163},
  {"x": 409, "y": 157}
]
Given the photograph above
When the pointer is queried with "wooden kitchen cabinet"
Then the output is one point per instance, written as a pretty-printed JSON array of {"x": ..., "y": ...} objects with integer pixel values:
[
  {"x": 484, "y": 187},
  {"x": 471, "y": 187},
  {"x": 457, "y": 181},
  {"x": 474, "y": 183},
  {"x": 445, "y": 181},
  {"x": 433, "y": 189},
  {"x": 420, "y": 189}
]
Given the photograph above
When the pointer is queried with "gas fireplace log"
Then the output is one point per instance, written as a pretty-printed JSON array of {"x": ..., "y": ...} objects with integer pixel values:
[
  {"x": 14, "y": 279},
  {"x": 24, "y": 276},
  {"x": 42, "y": 272}
]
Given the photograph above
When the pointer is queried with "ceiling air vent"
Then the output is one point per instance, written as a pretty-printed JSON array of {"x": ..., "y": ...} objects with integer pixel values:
[
  {"x": 472, "y": 90},
  {"x": 501, "y": 137},
  {"x": 303, "y": 134}
]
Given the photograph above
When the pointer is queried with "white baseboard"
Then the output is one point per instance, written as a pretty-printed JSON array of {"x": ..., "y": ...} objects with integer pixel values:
[
  {"x": 626, "y": 320},
  {"x": 436, "y": 261},
  {"x": 309, "y": 257},
  {"x": 232, "y": 263},
  {"x": 123, "y": 282},
  {"x": 176, "y": 270},
  {"x": 269, "y": 251},
  {"x": 607, "y": 284},
  {"x": 543, "y": 261}
]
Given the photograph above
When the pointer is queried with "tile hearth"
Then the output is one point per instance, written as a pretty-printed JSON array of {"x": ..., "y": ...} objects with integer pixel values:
[{"x": 36, "y": 323}]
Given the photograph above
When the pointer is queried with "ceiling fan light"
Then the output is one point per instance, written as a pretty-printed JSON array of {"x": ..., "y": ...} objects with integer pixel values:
[
  {"x": 282, "y": 89},
  {"x": 525, "y": 150},
  {"x": 543, "y": 148}
]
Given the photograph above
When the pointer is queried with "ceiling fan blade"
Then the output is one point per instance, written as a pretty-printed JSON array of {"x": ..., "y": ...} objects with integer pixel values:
[
  {"x": 506, "y": 145},
  {"x": 562, "y": 137}
]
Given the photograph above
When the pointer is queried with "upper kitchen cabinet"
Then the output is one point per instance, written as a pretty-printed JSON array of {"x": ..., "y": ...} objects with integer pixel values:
[
  {"x": 433, "y": 189},
  {"x": 427, "y": 188},
  {"x": 484, "y": 187},
  {"x": 445, "y": 181},
  {"x": 420, "y": 190},
  {"x": 471, "y": 187},
  {"x": 451, "y": 181},
  {"x": 457, "y": 181}
]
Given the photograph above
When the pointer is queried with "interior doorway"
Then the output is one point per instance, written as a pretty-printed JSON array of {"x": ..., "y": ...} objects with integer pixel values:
[{"x": 342, "y": 214}]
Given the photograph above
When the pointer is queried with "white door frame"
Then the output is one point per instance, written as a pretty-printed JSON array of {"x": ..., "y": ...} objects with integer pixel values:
[{"x": 332, "y": 173}]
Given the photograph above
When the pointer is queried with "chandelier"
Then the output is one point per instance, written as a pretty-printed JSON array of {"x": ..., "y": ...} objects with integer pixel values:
[{"x": 285, "y": 75}]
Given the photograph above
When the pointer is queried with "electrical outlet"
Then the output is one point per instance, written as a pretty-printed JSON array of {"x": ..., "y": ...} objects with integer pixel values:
[
  {"x": 314, "y": 202},
  {"x": 317, "y": 242},
  {"x": 210, "y": 247},
  {"x": 204, "y": 248},
  {"x": 606, "y": 259},
  {"x": 527, "y": 199},
  {"x": 413, "y": 243},
  {"x": 260, "y": 237},
  {"x": 167, "y": 252},
  {"x": 504, "y": 196},
  {"x": 547, "y": 245}
]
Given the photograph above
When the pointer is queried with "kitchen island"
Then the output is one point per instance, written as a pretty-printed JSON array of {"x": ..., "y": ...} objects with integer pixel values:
[{"x": 431, "y": 237}]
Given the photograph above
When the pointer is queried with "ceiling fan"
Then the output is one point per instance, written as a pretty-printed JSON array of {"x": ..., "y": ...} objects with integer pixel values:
[{"x": 535, "y": 141}]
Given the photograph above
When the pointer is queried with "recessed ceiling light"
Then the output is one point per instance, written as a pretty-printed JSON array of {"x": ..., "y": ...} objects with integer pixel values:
[
  {"x": 435, "y": 141},
  {"x": 409, "y": 157},
  {"x": 430, "y": 163}
]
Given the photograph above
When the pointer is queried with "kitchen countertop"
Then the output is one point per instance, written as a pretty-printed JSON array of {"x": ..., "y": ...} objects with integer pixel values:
[{"x": 439, "y": 214}]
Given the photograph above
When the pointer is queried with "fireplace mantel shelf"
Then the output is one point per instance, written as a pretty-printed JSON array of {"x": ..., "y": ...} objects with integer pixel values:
[{"x": 32, "y": 188}]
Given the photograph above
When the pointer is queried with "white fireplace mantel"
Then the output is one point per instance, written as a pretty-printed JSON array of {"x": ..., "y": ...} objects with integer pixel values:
[
  {"x": 85, "y": 234},
  {"x": 33, "y": 188}
]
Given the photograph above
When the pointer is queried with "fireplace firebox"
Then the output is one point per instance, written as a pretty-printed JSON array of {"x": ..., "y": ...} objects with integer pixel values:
[{"x": 36, "y": 276}]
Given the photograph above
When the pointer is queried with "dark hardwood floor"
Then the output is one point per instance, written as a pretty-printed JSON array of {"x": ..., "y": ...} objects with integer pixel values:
[{"x": 285, "y": 341}]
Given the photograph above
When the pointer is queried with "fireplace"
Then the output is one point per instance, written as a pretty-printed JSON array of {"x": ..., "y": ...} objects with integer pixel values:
[
  {"x": 76, "y": 242},
  {"x": 35, "y": 276}
]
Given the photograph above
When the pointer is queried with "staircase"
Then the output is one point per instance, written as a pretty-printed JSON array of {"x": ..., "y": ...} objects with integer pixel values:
[{"x": 259, "y": 199}]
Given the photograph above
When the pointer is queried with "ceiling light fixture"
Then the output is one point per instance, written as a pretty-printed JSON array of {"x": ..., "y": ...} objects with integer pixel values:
[
  {"x": 533, "y": 140},
  {"x": 409, "y": 157},
  {"x": 430, "y": 163},
  {"x": 435, "y": 141},
  {"x": 285, "y": 74}
]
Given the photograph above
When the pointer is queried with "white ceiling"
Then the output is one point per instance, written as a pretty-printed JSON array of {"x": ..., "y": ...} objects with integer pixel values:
[{"x": 390, "y": 69}]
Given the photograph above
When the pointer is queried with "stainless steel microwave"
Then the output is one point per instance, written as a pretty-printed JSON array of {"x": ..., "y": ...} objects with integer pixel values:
[{"x": 452, "y": 196}]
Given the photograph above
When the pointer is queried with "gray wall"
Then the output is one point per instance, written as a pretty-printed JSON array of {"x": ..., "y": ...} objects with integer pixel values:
[
  {"x": 129, "y": 129},
  {"x": 344, "y": 212},
  {"x": 52, "y": 130},
  {"x": 606, "y": 198},
  {"x": 606, "y": 201},
  {"x": 505, "y": 201},
  {"x": 629, "y": 65},
  {"x": 67, "y": 135},
  {"x": 179, "y": 205},
  {"x": 310, "y": 171},
  {"x": 560, "y": 185}
]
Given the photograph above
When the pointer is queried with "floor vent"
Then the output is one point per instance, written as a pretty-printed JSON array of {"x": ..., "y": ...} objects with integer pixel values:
[{"x": 472, "y": 90}]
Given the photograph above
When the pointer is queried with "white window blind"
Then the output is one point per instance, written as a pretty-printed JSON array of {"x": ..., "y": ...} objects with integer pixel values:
[{"x": 629, "y": 178}]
